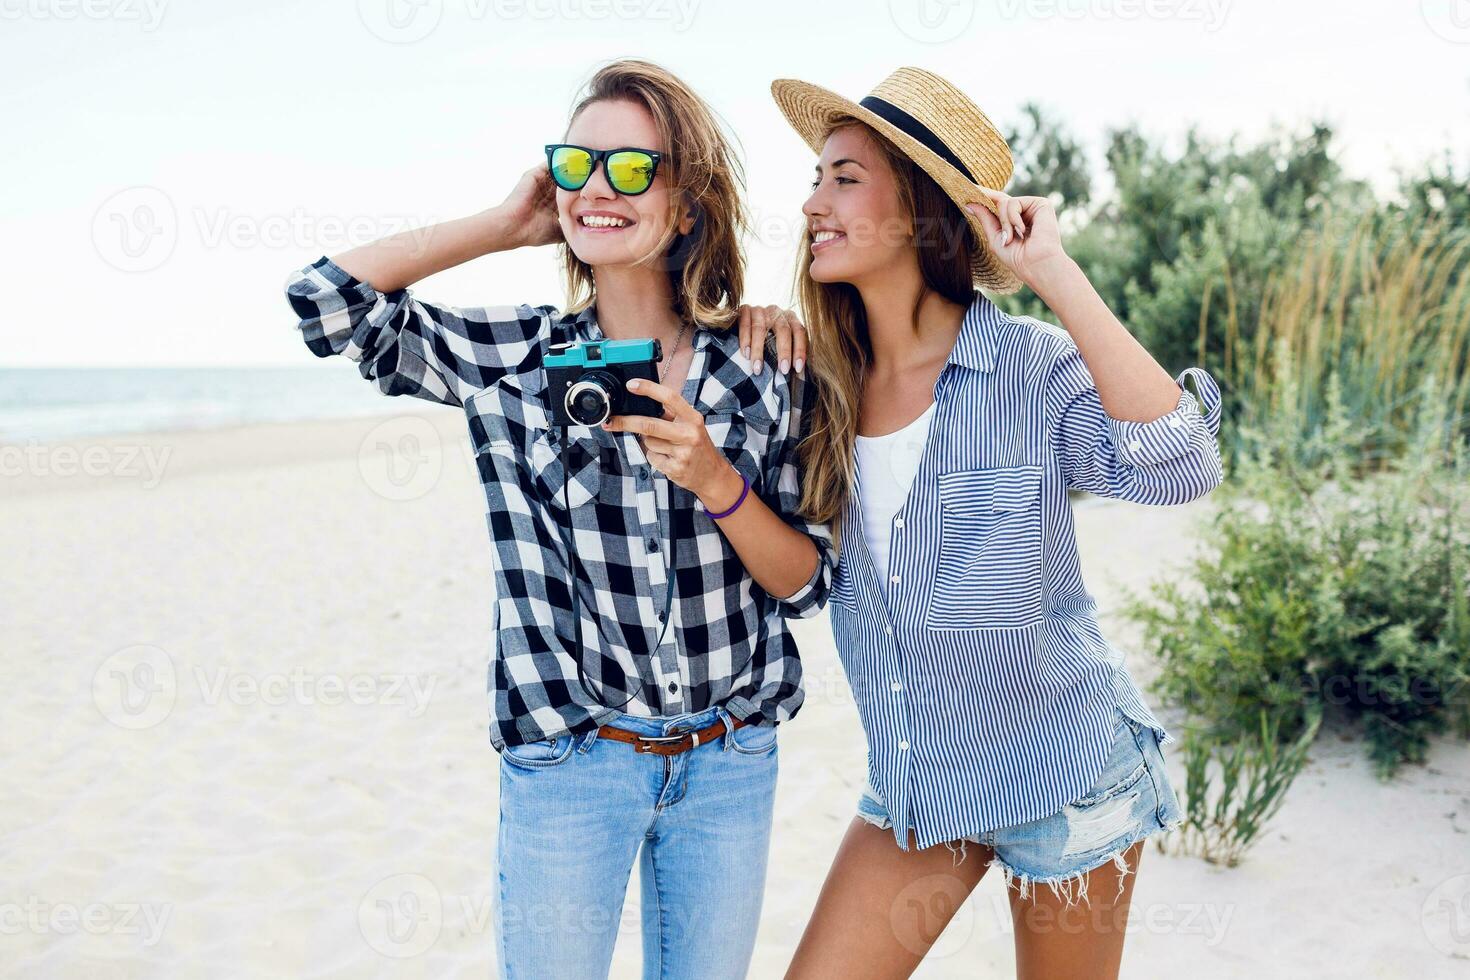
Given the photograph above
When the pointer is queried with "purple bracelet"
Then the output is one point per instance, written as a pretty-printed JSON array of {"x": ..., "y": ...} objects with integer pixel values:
[{"x": 745, "y": 489}]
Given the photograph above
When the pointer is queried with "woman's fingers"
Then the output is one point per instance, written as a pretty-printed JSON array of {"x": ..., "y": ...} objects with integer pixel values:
[
  {"x": 745, "y": 329},
  {"x": 781, "y": 328},
  {"x": 755, "y": 352},
  {"x": 1013, "y": 212},
  {"x": 798, "y": 342},
  {"x": 992, "y": 224}
]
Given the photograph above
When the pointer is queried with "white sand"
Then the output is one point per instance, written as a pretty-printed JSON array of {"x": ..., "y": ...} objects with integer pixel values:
[{"x": 312, "y": 756}]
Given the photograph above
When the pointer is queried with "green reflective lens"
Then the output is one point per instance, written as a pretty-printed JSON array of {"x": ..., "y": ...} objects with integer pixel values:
[
  {"x": 629, "y": 171},
  {"x": 570, "y": 167}
]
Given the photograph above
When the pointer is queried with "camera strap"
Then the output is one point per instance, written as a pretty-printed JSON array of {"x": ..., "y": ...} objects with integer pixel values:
[{"x": 573, "y": 566}]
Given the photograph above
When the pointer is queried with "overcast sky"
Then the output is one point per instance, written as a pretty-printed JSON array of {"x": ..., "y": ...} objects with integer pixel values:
[{"x": 168, "y": 163}]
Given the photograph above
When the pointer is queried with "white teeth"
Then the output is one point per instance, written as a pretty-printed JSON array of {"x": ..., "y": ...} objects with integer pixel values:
[
  {"x": 602, "y": 221},
  {"x": 826, "y": 236}
]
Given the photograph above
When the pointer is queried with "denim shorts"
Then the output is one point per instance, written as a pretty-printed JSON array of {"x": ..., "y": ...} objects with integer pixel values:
[{"x": 1131, "y": 799}]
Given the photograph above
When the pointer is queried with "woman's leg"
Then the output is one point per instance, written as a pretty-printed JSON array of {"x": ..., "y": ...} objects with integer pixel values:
[
  {"x": 1080, "y": 940},
  {"x": 703, "y": 869},
  {"x": 882, "y": 908}
]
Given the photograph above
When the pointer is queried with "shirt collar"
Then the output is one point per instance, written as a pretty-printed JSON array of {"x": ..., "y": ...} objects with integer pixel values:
[
  {"x": 587, "y": 328},
  {"x": 975, "y": 347}
]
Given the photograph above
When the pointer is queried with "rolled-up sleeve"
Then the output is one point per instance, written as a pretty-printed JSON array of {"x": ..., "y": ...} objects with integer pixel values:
[
  {"x": 1168, "y": 460},
  {"x": 407, "y": 346},
  {"x": 793, "y": 427}
]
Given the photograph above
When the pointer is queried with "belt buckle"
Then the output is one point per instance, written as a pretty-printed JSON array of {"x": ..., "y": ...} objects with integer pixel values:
[{"x": 639, "y": 746}]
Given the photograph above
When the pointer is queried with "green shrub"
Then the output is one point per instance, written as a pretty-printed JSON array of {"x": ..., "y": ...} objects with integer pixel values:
[
  {"x": 1254, "y": 773},
  {"x": 1324, "y": 584}
]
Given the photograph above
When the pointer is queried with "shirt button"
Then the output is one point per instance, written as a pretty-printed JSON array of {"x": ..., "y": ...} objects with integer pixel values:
[
  {"x": 897, "y": 686},
  {"x": 1174, "y": 423},
  {"x": 653, "y": 544},
  {"x": 889, "y": 630},
  {"x": 893, "y": 579},
  {"x": 1135, "y": 445},
  {"x": 643, "y": 473},
  {"x": 898, "y": 522},
  {"x": 673, "y": 688},
  {"x": 904, "y": 745}
]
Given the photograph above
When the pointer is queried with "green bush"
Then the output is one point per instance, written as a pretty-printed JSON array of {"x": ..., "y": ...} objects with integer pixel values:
[
  {"x": 1325, "y": 584},
  {"x": 1222, "y": 821}
]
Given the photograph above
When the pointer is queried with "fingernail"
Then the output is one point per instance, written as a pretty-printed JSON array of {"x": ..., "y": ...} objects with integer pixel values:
[
  {"x": 799, "y": 365},
  {"x": 747, "y": 351},
  {"x": 758, "y": 365},
  {"x": 785, "y": 365},
  {"x": 633, "y": 384}
]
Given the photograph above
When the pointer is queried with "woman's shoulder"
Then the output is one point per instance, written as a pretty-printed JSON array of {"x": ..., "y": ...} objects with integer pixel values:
[{"x": 1028, "y": 348}]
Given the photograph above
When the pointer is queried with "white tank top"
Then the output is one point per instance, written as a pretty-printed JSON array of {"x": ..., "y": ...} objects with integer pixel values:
[{"x": 887, "y": 464}]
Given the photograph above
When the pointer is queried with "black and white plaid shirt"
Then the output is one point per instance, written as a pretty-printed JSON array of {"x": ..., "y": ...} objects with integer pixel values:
[{"x": 728, "y": 642}]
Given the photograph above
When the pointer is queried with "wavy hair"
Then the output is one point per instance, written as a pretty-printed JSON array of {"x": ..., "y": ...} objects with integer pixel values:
[{"x": 706, "y": 267}]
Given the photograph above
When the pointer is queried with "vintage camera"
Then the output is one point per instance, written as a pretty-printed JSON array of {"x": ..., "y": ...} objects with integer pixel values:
[{"x": 586, "y": 383}]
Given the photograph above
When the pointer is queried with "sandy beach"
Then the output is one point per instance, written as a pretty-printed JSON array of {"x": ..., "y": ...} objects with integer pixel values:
[{"x": 245, "y": 736}]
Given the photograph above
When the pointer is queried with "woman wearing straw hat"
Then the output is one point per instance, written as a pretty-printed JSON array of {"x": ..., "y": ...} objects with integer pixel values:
[{"x": 999, "y": 721}]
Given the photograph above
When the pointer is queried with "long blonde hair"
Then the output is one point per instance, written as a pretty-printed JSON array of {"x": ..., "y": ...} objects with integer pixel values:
[
  {"x": 706, "y": 267},
  {"x": 838, "y": 326}
]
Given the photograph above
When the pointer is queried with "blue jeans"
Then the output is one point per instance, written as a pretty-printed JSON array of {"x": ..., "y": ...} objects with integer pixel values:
[
  {"x": 1131, "y": 799},
  {"x": 577, "y": 810}
]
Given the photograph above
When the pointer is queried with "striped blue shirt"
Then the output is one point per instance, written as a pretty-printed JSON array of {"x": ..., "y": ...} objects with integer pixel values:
[{"x": 985, "y": 687}]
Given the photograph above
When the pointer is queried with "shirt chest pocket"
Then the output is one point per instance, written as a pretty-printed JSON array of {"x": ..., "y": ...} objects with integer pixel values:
[
  {"x": 989, "y": 570},
  {"x": 509, "y": 420},
  {"x": 583, "y": 461}
]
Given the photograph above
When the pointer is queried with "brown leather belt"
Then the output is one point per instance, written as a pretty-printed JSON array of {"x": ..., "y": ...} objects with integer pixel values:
[{"x": 667, "y": 744}]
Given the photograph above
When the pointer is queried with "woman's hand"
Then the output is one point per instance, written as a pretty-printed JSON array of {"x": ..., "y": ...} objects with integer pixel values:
[
  {"x": 1025, "y": 236},
  {"x": 679, "y": 446},
  {"x": 758, "y": 321},
  {"x": 531, "y": 208}
]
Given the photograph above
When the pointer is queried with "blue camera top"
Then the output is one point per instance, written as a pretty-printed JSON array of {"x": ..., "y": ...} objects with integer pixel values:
[{"x": 597, "y": 353}]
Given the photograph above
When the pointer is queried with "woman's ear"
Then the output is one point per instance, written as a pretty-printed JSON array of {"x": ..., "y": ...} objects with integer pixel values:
[{"x": 686, "y": 223}]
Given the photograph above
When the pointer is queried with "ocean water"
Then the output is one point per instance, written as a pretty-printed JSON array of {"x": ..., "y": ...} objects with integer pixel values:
[{"x": 44, "y": 404}]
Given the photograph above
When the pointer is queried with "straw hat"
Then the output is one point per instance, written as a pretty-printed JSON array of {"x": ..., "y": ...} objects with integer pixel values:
[{"x": 935, "y": 125}]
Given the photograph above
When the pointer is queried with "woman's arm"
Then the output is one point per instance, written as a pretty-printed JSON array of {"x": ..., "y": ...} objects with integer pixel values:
[
  {"x": 527, "y": 217},
  {"x": 780, "y": 558},
  {"x": 792, "y": 563},
  {"x": 1118, "y": 423},
  {"x": 1132, "y": 386},
  {"x": 358, "y": 304}
]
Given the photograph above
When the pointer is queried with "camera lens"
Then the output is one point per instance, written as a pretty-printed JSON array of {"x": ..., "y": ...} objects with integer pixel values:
[{"x": 591, "y": 399}]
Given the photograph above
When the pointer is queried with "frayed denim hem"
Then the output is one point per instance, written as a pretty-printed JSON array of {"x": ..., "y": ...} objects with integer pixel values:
[{"x": 1072, "y": 887}]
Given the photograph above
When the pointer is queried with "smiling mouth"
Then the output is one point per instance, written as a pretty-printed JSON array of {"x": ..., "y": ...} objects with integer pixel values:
[
  {"x": 603, "y": 223},
  {"x": 825, "y": 239}
]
